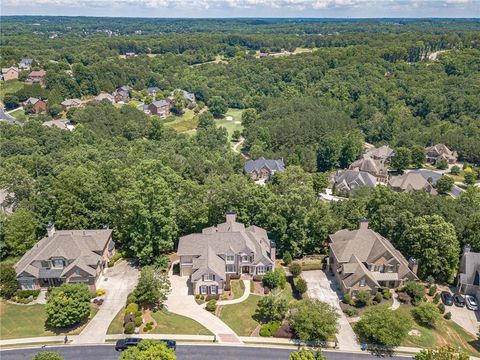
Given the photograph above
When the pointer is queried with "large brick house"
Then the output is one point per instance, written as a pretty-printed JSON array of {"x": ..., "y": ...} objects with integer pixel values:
[
  {"x": 263, "y": 169},
  {"x": 364, "y": 260},
  {"x": 160, "y": 108},
  {"x": 36, "y": 77},
  {"x": 222, "y": 250},
  {"x": 38, "y": 104},
  {"x": 65, "y": 256}
]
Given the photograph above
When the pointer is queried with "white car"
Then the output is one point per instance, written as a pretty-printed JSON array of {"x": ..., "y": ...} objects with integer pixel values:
[{"x": 471, "y": 302}]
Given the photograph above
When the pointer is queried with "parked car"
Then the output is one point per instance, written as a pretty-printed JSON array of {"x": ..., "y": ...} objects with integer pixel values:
[
  {"x": 124, "y": 344},
  {"x": 471, "y": 302},
  {"x": 447, "y": 298},
  {"x": 458, "y": 300}
]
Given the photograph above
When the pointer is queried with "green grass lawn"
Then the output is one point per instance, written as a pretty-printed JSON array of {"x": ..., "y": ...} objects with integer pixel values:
[
  {"x": 9, "y": 87},
  {"x": 240, "y": 316},
  {"x": 19, "y": 321},
  {"x": 446, "y": 332},
  {"x": 231, "y": 125},
  {"x": 185, "y": 123},
  {"x": 19, "y": 114},
  {"x": 169, "y": 323},
  {"x": 116, "y": 326},
  {"x": 238, "y": 288}
]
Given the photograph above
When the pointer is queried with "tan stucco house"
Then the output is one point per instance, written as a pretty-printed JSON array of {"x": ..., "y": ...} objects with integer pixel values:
[
  {"x": 228, "y": 248},
  {"x": 65, "y": 256}
]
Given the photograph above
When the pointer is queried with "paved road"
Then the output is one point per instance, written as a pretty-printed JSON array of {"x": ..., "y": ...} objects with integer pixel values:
[{"x": 184, "y": 352}]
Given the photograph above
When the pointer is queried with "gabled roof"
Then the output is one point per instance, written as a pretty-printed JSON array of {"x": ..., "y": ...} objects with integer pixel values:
[
  {"x": 37, "y": 73},
  {"x": 26, "y": 61},
  {"x": 31, "y": 101},
  {"x": 469, "y": 265},
  {"x": 383, "y": 152},
  {"x": 4, "y": 70},
  {"x": 71, "y": 102},
  {"x": 82, "y": 246},
  {"x": 353, "y": 179},
  {"x": 411, "y": 181},
  {"x": 261, "y": 163},
  {"x": 439, "y": 150},
  {"x": 370, "y": 165}
]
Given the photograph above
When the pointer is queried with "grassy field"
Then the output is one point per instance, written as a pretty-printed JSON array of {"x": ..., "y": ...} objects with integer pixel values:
[
  {"x": 169, "y": 323},
  {"x": 18, "y": 321},
  {"x": 446, "y": 332},
  {"x": 187, "y": 122},
  {"x": 9, "y": 87},
  {"x": 231, "y": 125},
  {"x": 240, "y": 316}
]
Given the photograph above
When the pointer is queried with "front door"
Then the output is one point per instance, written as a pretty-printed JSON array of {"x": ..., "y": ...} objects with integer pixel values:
[{"x": 245, "y": 269}]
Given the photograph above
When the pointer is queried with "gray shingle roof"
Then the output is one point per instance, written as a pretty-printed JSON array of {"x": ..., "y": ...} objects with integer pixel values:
[
  {"x": 469, "y": 265},
  {"x": 382, "y": 153},
  {"x": 82, "y": 246},
  {"x": 260, "y": 163},
  {"x": 160, "y": 103},
  {"x": 353, "y": 179},
  {"x": 411, "y": 181}
]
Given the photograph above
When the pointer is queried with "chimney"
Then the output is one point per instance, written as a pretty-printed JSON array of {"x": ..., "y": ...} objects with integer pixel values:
[
  {"x": 467, "y": 248},
  {"x": 363, "y": 224},
  {"x": 273, "y": 250},
  {"x": 50, "y": 229},
  {"x": 231, "y": 216},
  {"x": 413, "y": 265}
]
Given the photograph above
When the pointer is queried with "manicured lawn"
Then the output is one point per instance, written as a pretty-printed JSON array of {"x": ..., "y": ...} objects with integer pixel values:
[
  {"x": 116, "y": 326},
  {"x": 169, "y": 323},
  {"x": 9, "y": 87},
  {"x": 18, "y": 321},
  {"x": 19, "y": 114},
  {"x": 231, "y": 125},
  {"x": 187, "y": 122},
  {"x": 446, "y": 332},
  {"x": 240, "y": 316},
  {"x": 238, "y": 288}
]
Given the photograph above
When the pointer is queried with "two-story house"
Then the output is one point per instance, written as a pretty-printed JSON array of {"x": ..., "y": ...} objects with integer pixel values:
[
  {"x": 228, "y": 248},
  {"x": 364, "y": 260},
  {"x": 263, "y": 169},
  {"x": 468, "y": 280},
  {"x": 160, "y": 108},
  {"x": 36, "y": 77},
  {"x": 65, "y": 256}
]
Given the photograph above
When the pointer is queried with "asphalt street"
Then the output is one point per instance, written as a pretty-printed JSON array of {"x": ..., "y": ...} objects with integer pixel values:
[{"x": 184, "y": 352}]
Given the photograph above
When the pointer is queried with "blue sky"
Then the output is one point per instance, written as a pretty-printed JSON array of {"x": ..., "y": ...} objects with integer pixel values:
[{"x": 245, "y": 8}]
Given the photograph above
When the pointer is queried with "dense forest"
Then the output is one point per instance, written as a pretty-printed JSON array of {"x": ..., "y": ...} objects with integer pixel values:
[{"x": 359, "y": 81}]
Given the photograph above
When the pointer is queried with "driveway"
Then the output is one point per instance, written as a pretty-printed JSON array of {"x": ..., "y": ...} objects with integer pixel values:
[
  {"x": 467, "y": 319},
  {"x": 323, "y": 288},
  {"x": 118, "y": 282},
  {"x": 181, "y": 302}
]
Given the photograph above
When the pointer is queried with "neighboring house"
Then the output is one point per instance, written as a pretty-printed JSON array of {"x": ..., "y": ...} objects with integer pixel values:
[
  {"x": 10, "y": 73},
  {"x": 104, "y": 96},
  {"x": 364, "y": 260},
  {"x": 411, "y": 181},
  {"x": 219, "y": 251},
  {"x": 152, "y": 91},
  {"x": 72, "y": 103},
  {"x": 189, "y": 97},
  {"x": 122, "y": 93},
  {"x": 6, "y": 202},
  {"x": 263, "y": 169},
  {"x": 36, "y": 77},
  {"x": 60, "y": 124},
  {"x": 383, "y": 153},
  {"x": 38, "y": 104},
  {"x": 160, "y": 108},
  {"x": 144, "y": 108},
  {"x": 372, "y": 166},
  {"x": 468, "y": 280},
  {"x": 347, "y": 180},
  {"x": 430, "y": 175},
  {"x": 436, "y": 153},
  {"x": 25, "y": 64},
  {"x": 65, "y": 256}
]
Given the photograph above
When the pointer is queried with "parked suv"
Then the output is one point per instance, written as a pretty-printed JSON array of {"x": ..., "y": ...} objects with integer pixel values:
[
  {"x": 459, "y": 300},
  {"x": 447, "y": 298},
  {"x": 124, "y": 344},
  {"x": 471, "y": 302}
]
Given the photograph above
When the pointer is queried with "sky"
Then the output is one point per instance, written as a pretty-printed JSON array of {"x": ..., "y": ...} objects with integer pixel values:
[{"x": 246, "y": 8}]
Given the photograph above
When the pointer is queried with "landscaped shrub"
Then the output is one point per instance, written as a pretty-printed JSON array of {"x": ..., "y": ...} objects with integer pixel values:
[
  {"x": 287, "y": 258},
  {"x": 211, "y": 305},
  {"x": 100, "y": 292},
  {"x": 197, "y": 296},
  {"x": 295, "y": 269},
  {"x": 416, "y": 291},
  {"x": 378, "y": 297},
  {"x": 350, "y": 312},
  {"x": 436, "y": 298},
  {"x": 129, "y": 328},
  {"x": 131, "y": 298},
  {"x": 432, "y": 290},
  {"x": 347, "y": 299},
  {"x": 162, "y": 261},
  {"x": 8, "y": 281},
  {"x": 138, "y": 321},
  {"x": 430, "y": 280},
  {"x": 404, "y": 298},
  {"x": 441, "y": 308},
  {"x": 25, "y": 294},
  {"x": 147, "y": 327},
  {"x": 387, "y": 295},
  {"x": 257, "y": 278},
  {"x": 448, "y": 315},
  {"x": 426, "y": 314},
  {"x": 362, "y": 298},
  {"x": 131, "y": 308},
  {"x": 269, "y": 329},
  {"x": 301, "y": 286},
  {"x": 117, "y": 256},
  {"x": 273, "y": 279},
  {"x": 202, "y": 297}
]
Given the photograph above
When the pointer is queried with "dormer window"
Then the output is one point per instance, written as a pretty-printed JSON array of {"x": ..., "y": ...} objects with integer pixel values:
[
  {"x": 208, "y": 277},
  {"x": 245, "y": 258},
  {"x": 230, "y": 258},
  {"x": 362, "y": 282},
  {"x": 57, "y": 264}
]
